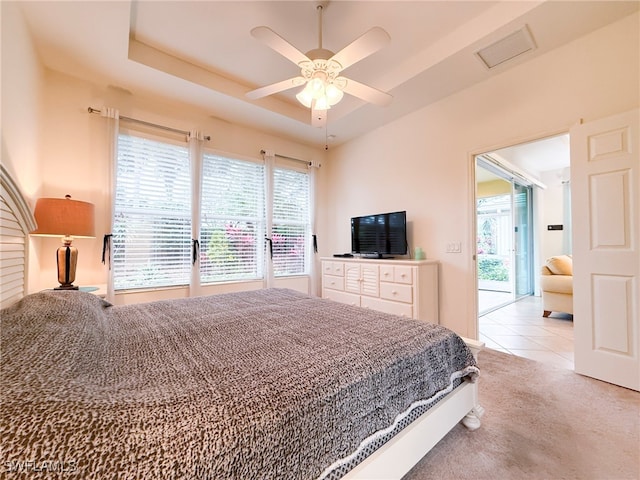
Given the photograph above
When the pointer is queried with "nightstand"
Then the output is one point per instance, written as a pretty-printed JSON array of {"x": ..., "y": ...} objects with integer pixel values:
[{"x": 99, "y": 290}]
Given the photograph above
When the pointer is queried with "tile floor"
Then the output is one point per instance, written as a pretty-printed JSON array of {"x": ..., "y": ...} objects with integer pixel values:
[{"x": 520, "y": 329}]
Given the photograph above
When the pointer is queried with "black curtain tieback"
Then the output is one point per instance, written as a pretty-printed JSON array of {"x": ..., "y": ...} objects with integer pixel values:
[
  {"x": 106, "y": 246},
  {"x": 270, "y": 246},
  {"x": 195, "y": 249}
]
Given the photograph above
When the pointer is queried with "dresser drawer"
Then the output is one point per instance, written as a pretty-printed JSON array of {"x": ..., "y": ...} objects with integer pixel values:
[
  {"x": 333, "y": 282},
  {"x": 333, "y": 268},
  {"x": 386, "y": 273},
  {"x": 403, "y": 275},
  {"x": 396, "y": 292},
  {"x": 397, "y": 274},
  {"x": 402, "y": 309},
  {"x": 342, "y": 297}
]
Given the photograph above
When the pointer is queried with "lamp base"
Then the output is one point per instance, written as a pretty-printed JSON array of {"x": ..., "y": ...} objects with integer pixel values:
[{"x": 67, "y": 259}]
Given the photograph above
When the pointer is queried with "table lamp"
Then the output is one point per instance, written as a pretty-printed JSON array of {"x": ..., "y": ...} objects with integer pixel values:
[{"x": 69, "y": 218}]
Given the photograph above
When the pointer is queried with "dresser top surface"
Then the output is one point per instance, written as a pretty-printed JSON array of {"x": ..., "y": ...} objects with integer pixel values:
[{"x": 381, "y": 261}]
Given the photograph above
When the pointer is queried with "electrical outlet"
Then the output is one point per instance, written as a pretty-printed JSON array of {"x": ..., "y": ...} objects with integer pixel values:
[{"x": 454, "y": 247}]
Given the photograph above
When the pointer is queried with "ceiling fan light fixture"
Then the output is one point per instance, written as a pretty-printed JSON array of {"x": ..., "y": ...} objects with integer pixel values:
[
  {"x": 316, "y": 86},
  {"x": 321, "y": 103},
  {"x": 305, "y": 97},
  {"x": 320, "y": 92},
  {"x": 334, "y": 94},
  {"x": 320, "y": 70}
]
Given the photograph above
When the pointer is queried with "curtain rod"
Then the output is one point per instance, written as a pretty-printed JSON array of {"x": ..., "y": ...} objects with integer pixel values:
[
  {"x": 263, "y": 152},
  {"x": 149, "y": 124}
]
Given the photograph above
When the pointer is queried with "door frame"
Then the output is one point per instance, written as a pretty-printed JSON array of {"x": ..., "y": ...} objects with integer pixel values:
[{"x": 473, "y": 328}]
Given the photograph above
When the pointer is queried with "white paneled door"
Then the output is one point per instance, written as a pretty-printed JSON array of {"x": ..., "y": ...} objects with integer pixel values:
[{"x": 605, "y": 185}]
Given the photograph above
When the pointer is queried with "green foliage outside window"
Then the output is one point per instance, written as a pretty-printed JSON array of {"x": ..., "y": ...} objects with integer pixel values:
[{"x": 492, "y": 268}]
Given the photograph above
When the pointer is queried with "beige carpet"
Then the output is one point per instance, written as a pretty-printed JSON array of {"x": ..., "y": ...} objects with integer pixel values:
[{"x": 541, "y": 422}]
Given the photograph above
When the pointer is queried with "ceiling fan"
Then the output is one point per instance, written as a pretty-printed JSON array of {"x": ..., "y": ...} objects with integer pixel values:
[{"x": 320, "y": 70}]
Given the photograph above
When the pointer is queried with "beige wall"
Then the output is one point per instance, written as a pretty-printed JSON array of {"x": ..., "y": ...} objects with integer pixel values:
[
  {"x": 423, "y": 162},
  {"x": 493, "y": 188},
  {"x": 22, "y": 80},
  {"x": 553, "y": 212},
  {"x": 22, "y": 111}
]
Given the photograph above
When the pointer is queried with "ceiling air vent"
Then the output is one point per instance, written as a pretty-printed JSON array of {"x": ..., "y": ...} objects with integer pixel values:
[{"x": 505, "y": 49}]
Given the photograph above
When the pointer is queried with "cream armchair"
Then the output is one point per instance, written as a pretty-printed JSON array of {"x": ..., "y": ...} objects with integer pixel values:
[{"x": 556, "y": 283}]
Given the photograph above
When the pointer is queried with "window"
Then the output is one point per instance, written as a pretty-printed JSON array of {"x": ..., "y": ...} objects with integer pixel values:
[
  {"x": 291, "y": 222},
  {"x": 152, "y": 215},
  {"x": 232, "y": 220},
  {"x": 153, "y": 212}
]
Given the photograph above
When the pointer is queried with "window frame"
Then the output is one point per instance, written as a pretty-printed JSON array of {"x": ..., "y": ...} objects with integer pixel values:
[
  {"x": 260, "y": 222},
  {"x": 302, "y": 168},
  {"x": 168, "y": 139},
  {"x": 196, "y": 217}
]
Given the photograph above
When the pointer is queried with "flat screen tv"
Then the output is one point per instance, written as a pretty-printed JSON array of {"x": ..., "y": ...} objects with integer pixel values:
[{"x": 379, "y": 235}]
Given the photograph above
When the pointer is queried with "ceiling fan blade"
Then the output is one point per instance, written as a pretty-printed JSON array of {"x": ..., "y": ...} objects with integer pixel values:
[
  {"x": 275, "y": 88},
  {"x": 279, "y": 44},
  {"x": 318, "y": 118},
  {"x": 367, "y": 93},
  {"x": 369, "y": 42}
]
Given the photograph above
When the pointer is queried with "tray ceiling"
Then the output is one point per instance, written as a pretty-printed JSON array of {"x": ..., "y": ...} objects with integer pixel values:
[{"x": 202, "y": 52}]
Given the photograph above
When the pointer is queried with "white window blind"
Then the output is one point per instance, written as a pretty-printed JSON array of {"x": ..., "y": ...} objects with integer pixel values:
[
  {"x": 291, "y": 222},
  {"x": 152, "y": 217},
  {"x": 232, "y": 228}
]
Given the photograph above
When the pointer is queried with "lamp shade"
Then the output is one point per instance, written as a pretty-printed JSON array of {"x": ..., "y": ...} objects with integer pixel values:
[{"x": 64, "y": 216}]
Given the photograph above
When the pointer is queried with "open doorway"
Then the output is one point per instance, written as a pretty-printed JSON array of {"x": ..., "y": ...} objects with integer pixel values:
[{"x": 520, "y": 191}]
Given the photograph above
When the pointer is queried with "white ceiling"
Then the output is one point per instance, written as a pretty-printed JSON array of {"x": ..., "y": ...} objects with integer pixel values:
[
  {"x": 202, "y": 52},
  {"x": 538, "y": 156},
  {"x": 531, "y": 159}
]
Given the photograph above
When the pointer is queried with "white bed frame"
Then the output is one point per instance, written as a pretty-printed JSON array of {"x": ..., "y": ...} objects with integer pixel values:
[
  {"x": 391, "y": 461},
  {"x": 399, "y": 455},
  {"x": 16, "y": 221}
]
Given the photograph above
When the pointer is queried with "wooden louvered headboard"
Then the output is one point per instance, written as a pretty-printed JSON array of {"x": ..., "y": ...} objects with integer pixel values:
[{"x": 16, "y": 221}]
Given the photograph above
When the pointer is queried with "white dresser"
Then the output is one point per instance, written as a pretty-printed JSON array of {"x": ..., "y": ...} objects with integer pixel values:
[{"x": 402, "y": 287}]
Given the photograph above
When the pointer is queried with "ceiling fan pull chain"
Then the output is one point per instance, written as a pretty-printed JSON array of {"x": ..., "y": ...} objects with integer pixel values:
[{"x": 326, "y": 137}]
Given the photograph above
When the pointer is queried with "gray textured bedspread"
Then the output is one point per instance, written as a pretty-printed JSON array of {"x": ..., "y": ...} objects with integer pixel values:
[{"x": 268, "y": 384}]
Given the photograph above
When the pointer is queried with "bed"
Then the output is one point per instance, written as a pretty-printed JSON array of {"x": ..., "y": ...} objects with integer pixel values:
[{"x": 263, "y": 384}]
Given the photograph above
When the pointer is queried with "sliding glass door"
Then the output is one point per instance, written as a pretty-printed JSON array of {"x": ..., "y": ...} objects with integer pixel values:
[
  {"x": 522, "y": 239},
  {"x": 504, "y": 237}
]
